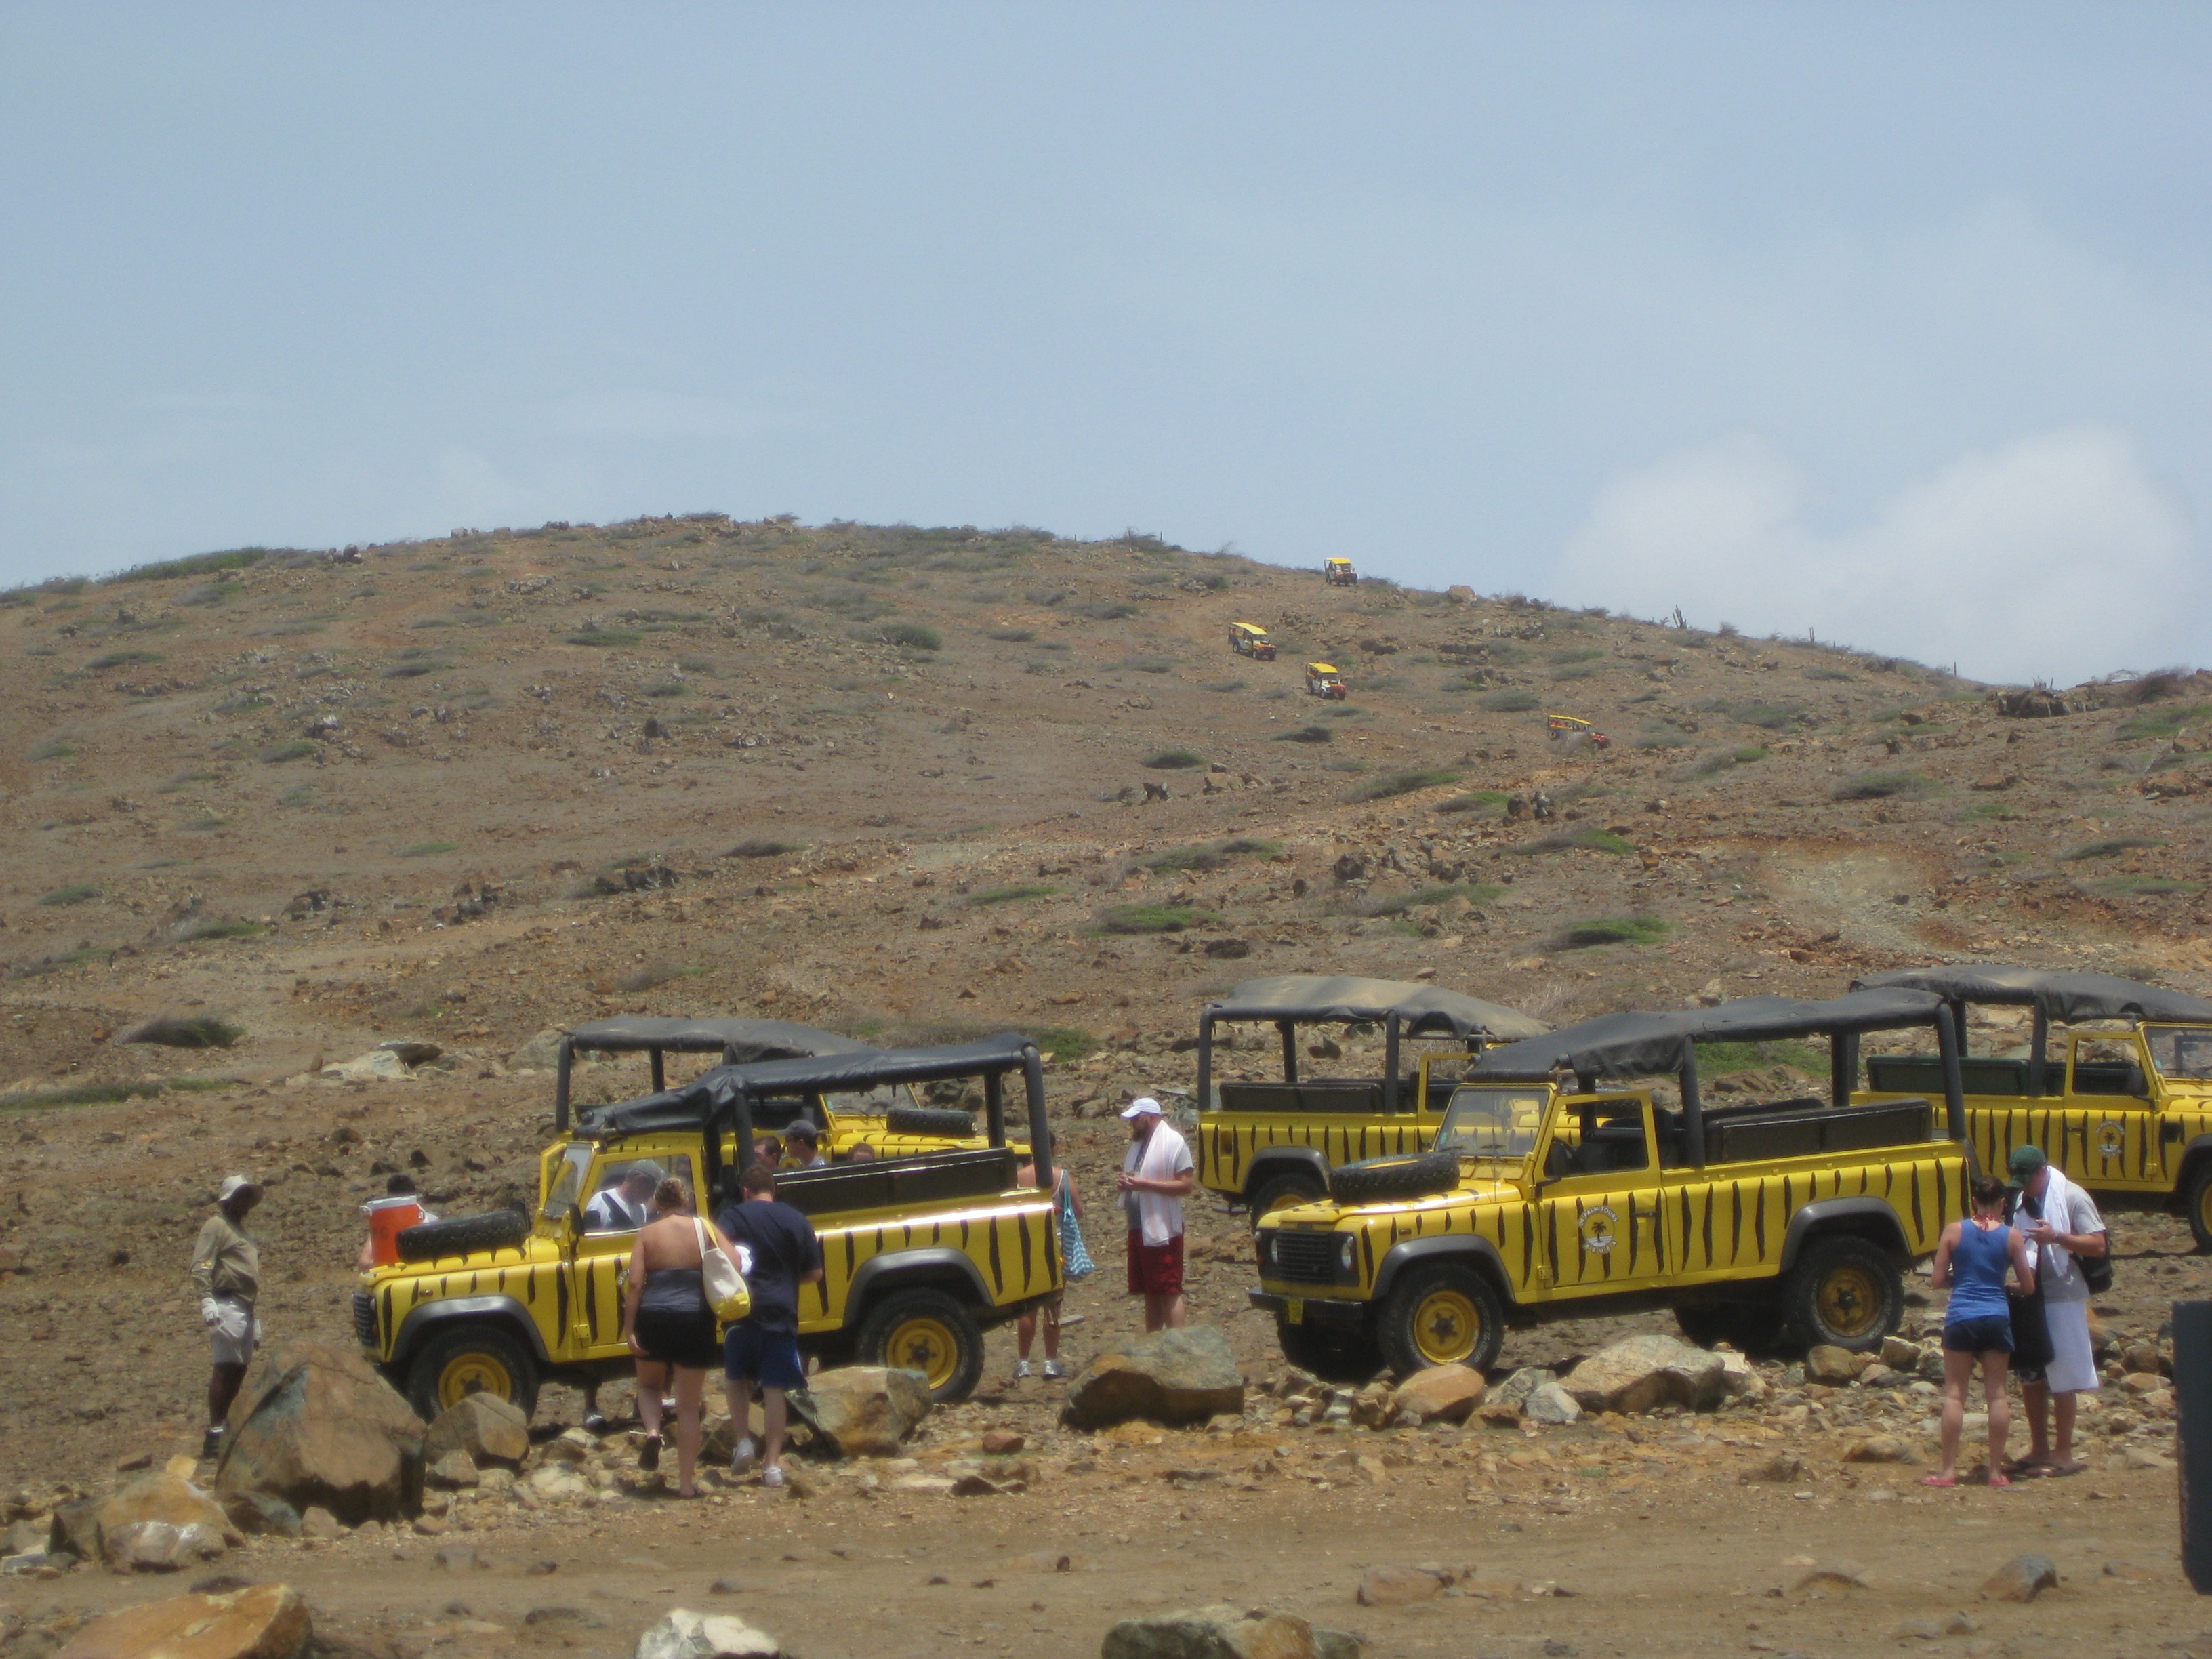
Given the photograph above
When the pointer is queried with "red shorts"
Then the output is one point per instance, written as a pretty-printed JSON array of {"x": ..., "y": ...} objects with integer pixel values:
[{"x": 1155, "y": 1269}]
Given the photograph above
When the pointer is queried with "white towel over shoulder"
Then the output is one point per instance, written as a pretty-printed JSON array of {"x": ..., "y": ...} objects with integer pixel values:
[{"x": 1164, "y": 1155}]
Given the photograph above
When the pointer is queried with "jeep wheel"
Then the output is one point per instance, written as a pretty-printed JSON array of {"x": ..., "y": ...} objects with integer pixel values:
[
  {"x": 462, "y": 1235},
  {"x": 2200, "y": 1206},
  {"x": 1281, "y": 1192},
  {"x": 470, "y": 1358},
  {"x": 1441, "y": 1313},
  {"x": 925, "y": 1331},
  {"x": 1350, "y": 1357},
  {"x": 937, "y": 1123},
  {"x": 1387, "y": 1180},
  {"x": 1845, "y": 1294},
  {"x": 1748, "y": 1326}
]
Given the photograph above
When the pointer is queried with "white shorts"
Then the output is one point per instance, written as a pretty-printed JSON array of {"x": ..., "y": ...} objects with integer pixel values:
[
  {"x": 2073, "y": 1368},
  {"x": 232, "y": 1329}
]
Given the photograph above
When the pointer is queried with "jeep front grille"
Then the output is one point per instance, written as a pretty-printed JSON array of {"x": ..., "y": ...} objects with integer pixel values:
[
  {"x": 364, "y": 1318},
  {"x": 1307, "y": 1256}
]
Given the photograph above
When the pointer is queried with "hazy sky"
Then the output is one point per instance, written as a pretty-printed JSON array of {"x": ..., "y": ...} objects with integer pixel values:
[{"x": 1892, "y": 323}]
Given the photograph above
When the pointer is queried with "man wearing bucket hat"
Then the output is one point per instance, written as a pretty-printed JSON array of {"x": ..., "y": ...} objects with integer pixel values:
[
  {"x": 1156, "y": 1176},
  {"x": 226, "y": 1267},
  {"x": 2060, "y": 1223}
]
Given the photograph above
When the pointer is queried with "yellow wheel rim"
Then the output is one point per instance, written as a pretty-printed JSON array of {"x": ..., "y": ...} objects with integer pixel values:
[
  {"x": 1446, "y": 1327},
  {"x": 1288, "y": 1198},
  {"x": 473, "y": 1373},
  {"x": 2204, "y": 1208},
  {"x": 1851, "y": 1303},
  {"x": 924, "y": 1345}
]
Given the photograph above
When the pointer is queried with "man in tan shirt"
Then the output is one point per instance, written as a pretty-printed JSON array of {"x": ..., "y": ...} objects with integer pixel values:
[{"x": 226, "y": 1267}]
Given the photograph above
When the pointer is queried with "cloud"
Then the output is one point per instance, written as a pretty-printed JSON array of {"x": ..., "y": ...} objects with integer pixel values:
[{"x": 2059, "y": 556}]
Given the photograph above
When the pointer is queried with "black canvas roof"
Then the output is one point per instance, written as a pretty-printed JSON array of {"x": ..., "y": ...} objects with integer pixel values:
[
  {"x": 2067, "y": 997},
  {"x": 1422, "y": 1009},
  {"x": 1639, "y": 1044},
  {"x": 749, "y": 1039}
]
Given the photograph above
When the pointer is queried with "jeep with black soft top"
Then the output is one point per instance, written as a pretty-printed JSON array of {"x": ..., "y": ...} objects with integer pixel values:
[{"x": 1549, "y": 1196}]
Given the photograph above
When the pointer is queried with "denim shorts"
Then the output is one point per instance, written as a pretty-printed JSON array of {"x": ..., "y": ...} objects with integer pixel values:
[
  {"x": 768, "y": 1357},
  {"x": 1990, "y": 1333}
]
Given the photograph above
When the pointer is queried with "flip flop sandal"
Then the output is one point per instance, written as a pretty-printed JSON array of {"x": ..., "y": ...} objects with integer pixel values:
[
  {"x": 2060, "y": 1471},
  {"x": 2000, "y": 1483},
  {"x": 1945, "y": 1481}
]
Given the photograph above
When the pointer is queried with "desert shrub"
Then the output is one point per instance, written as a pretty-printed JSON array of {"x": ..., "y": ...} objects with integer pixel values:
[
  {"x": 1223, "y": 685},
  {"x": 1830, "y": 674},
  {"x": 413, "y": 668},
  {"x": 1146, "y": 665},
  {"x": 1512, "y": 701},
  {"x": 1405, "y": 783},
  {"x": 1581, "y": 671},
  {"x": 1591, "y": 840},
  {"x": 228, "y": 929},
  {"x": 2143, "y": 886},
  {"x": 1722, "y": 760},
  {"x": 2149, "y": 688},
  {"x": 606, "y": 636},
  {"x": 1880, "y": 786},
  {"x": 76, "y": 892},
  {"x": 1576, "y": 653},
  {"x": 1152, "y": 918},
  {"x": 1013, "y": 893},
  {"x": 1211, "y": 855},
  {"x": 659, "y": 971},
  {"x": 2164, "y": 722},
  {"x": 1113, "y": 611},
  {"x": 293, "y": 749},
  {"x": 1608, "y": 930},
  {"x": 1769, "y": 716},
  {"x": 1305, "y": 734},
  {"x": 1173, "y": 760},
  {"x": 668, "y": 689},
  {"x": 52, "y": 749},
  {"x": 425, "y": 849},
  {"x": 1014, "y": 635},
  {"x": 1066, "y": 1044},
  {"x": 1396, "y": 904},
  {"x": 198, "y": 565},
  {"x": 2111, "y": 847},
  {"x": 911, "y": 637},
  {"x": 102, "y": 664},
  {"x": 1475, "y": 800},
  {"x": 182, "y": 780},
  {"x": 184, "y": 1031},
  {"x": 761, "y": 846},
  {"x": 1719, "y": 1059},
  {"x": 240, "y": 703}
]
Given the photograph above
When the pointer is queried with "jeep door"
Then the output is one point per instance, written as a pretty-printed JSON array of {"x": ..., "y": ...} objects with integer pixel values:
[
  {"x": 1598, "y": 1227},
  {"x": 2108, "y": 1136},
  {"x": 603, "y": 1251}
]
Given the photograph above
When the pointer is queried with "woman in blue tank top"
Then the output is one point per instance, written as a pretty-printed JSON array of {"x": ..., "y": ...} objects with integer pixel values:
[{"x": 1970, "y": 1262}]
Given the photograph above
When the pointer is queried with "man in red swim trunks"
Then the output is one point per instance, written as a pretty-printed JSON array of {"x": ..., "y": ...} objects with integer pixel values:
[{"x": 1156, "y": 1176}]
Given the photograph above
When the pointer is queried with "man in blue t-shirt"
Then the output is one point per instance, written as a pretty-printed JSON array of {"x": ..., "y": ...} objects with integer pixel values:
[{"x": 762, "y": 1347}]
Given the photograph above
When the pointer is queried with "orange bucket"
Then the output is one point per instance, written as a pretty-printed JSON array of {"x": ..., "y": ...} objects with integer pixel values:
[{"x": 387, "y": 1218}]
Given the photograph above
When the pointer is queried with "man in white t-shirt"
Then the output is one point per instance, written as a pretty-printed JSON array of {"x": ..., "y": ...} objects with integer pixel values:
[
  {"x": 2060, "y": 1222},
  {"x": 1156, "y": 1176}
]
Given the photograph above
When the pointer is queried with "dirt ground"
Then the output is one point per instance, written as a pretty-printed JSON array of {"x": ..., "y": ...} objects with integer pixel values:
[{"x": 464, "y": 792}]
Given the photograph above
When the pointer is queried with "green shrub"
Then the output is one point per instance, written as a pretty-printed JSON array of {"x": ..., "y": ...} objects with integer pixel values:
[
  {"x": 184, "y": 1031},
  {"x": 1146, "y": 665},
  {"x": 1608, "y": 930},
  {"x": 211, "y": 929},
  {"x": 77, "y": 892},
  {"x": 1014, "y": 893},
  {"x": 1724, "y": 760},
  {"x": 170, "y": 787},
  {"x": 1581, "y": 671},
  {"x": 198, "y": 565},
  {"x": 1306, "y": 734},
  {"x": 761, "y": 848},
  {"x": 52, "y": 749},
  {"x": 1405, "y": 783},
  {"x": 1394, "y": 904},
  {"x": 1476, "y": 800},
  {"x": 2143, "y": 886},
  {"x": 1152, "y": 918},
  {"x": 2164, "y": 722},
  {"x": 1769, "y": 716},
  {"x": 659, "y": 971},
  {"x": 1110, "y": 612},
  {"x": 100, "y": 665},
  {"x": 1512, "y": 701},
  {"x": 668, "y": 689},
  {"x": 413, "y": 668},
  {"x": 1223, "y": 685},
  {"x": 1880, "y": 786},
  {"x": 1830, "y": 674},
  {"x": 1066, "y": 1044},
  {"x": 911, "y": 637},
  {"x": 2111, "y": 846},
  {"x": 607, "y": 636},
  {"x": 425, "y": 849},
  {"x": 1576, "y": 653},
  {"x": 1173, "y": 760},
  {"x": 1719, "y": 1059},
  {"x": 1211, "y": 855},
  {"x": 1014, "y": 635},
  {"x": 296, "y": 749},
  {"x": 1591, "y": 839}
]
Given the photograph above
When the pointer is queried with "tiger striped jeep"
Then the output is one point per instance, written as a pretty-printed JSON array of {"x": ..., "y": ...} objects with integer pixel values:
[
  {"x": 921, "y": 1253},
  {"x": 1548, "y": 1197}
]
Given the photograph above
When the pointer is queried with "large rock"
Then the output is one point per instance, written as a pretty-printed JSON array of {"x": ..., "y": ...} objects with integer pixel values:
[
  {"x": 866, "y": 1410},
  {"x": 1174, "y": 1377},
  {"x": 1226, "y": 1632},
  {"x": 325, "y": 1429},
  {"x": 1515, "y": 1390},
  {"x": 542, "y": 1051},
  {"x": 1398, "y": 1587},
  {"x": 683, "y": 1634},
  {"x": 491, "y": 1430},
  {"x": 1447, "y": 1393},
  {"x": 378, "y": 1065},
  {"x": 2022, "y": 1578},
  {"x": 1826, "y": 1363},
  {"x": 187, "y": 1525},
  {"x": 1551, "y": 1404},
  {"x": 266, "y": 1621},
  {"x": 159, "y": 1545},
  {"x": 1640, "y": 1372}
]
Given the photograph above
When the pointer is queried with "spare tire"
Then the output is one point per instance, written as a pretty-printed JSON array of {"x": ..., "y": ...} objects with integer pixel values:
[
  {"x": 937, "y": 1121},
  {"x": 461, "y": 1235},
  {"x": 1381, "y": 1180}
]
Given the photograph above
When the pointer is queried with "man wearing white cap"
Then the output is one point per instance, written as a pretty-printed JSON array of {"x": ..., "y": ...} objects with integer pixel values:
[
  {"x": 1156, "y": 1176},
  {"x": 226, "y": 1267}
]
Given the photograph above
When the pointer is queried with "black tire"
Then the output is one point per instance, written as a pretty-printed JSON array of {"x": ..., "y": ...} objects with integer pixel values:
[
  {"x": 1440, "y": 1313},
  {"x": 1386, "y": 1179},
  {"x": 1280, "y": 1191},
  {"x": 472, "y": 1357},
  {"x": 1845, "y": 1294},
  {"x": 1748, "y": 1327},
  {"x": 2200, "y": 1207},
  {"x": 926, "y": 1331},
  {"x": 464, "y": 1235},
  {"x": 1332, "y": 1359},
  {"x": 937, "y": 1121}
]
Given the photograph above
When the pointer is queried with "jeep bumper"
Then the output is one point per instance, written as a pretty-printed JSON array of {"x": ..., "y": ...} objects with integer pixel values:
[{"x": 1329, "y": 1312}]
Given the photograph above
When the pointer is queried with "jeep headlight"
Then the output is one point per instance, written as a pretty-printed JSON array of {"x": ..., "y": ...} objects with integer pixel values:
[
  {"x": 1347, "y": 1251},
  {"x": 1266, "y": 1250}
]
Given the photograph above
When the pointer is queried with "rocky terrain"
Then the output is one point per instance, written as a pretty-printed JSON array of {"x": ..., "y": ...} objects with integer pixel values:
[{"x": 287, "y": 807}]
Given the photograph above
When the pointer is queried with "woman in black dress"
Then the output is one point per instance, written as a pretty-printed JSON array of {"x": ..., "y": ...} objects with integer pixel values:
[{"x": 669, "y": 1326}]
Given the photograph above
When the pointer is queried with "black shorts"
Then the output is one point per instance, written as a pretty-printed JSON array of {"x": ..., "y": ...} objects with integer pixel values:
[
  {"x": 678, "y": 1339},
  {"x": 2031, "y": 1337},
  {"x": 1990, "y": 1333}
]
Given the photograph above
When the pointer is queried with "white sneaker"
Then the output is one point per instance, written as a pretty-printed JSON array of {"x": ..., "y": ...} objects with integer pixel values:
[
  {"x": 1022, "y": 1368},
  {"x": 772, "y": 1475},
  {"x": 741, "y": 1456},
  {"x": 1054, "y": 1368}
]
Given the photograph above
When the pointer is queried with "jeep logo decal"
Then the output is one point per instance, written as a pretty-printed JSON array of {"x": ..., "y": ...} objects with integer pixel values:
[
  {"x": 1596, "y": 1226},
  {"x": 2112, "y": 1139}
]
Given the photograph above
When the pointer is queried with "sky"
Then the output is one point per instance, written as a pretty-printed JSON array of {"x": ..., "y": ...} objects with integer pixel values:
[{"x": 1889, "y": 324}]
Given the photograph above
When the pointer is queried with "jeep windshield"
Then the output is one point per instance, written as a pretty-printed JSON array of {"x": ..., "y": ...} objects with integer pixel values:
[
  {"x": 575, "y": 1163},
  {"x": 1495, "y": 1126},
  {"x": 2181, "y": 1051}
]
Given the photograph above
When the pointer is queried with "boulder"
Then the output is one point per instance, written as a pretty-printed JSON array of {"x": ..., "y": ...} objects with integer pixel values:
[
  {"x": 264, "y": 1621},
  {"x": 1398, "y": 1587},
  {"x": 864, "y": 1410},
  {"x": 1878, "y": 1449},
  {"x": 1838, "y": 1572},
  {"x": 1174, "y": 1377},
  {"x": 491, "y": 1430},
  {"x": 326, "y": 1430},
  {"x": 377, "y": 1066},
  {"x": 1515, "y": 1390},
  {"x": 258, "y": 1515},
  {"x": 1835, "y": 1366},
  {"x": 683, "y": 1634},
  {"x": 2022, "y": 1578},
  {"x": 1446, "y": 1394},
  {"x": 319, "y": 1523},
  {"x": 542, "y": 1051},
  {"x": 1781, "y": 1466},
  {"x": 1640, "y": 1372},
  {"x": 1899, "y": 1353},
  {"x": 1740, "y": 1378},
  {"x": 1370, "y": 1406},
  {"x": 1226, "y": 1632},
  {"x": 85, "y": 1527},
  {"x": 1551, "y": 1404},
  {"x": 160, "y": 1546},
  {"x": 454, "y": 1470}
]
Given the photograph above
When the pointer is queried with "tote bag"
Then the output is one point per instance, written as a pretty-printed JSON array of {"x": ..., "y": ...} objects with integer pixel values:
[{"x": 725, "y": 1286}]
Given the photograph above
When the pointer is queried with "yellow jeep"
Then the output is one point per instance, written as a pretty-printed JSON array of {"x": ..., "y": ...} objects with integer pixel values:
[
  {"x": 1325, "y": 679},
  {"x": 1339, "y": 572},
  {"x": 1546, "y": 1198},
  {"x": 1250, "y": 640},
  {"x": 1267, "y": 1144},
  {"x": 2124, "y": 1110},
  {"x": 921, "y": 1253}
]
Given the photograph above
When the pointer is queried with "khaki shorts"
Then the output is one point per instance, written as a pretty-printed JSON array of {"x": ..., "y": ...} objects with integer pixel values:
[{"x": 232, "y": 1330}]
